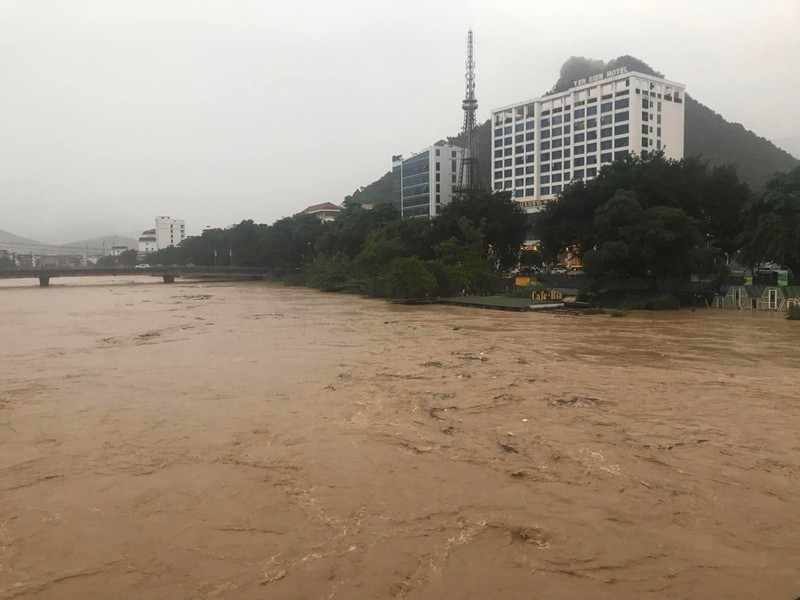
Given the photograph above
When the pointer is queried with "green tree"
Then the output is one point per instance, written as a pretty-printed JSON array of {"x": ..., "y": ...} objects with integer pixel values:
[
  {"x": 714, "y": 197},
  {"x": 500, "y": 220},
  {"x": 772, "y": 233},
  {"x": 409, "y": 278},
  {"x": 657, "y": 244}
]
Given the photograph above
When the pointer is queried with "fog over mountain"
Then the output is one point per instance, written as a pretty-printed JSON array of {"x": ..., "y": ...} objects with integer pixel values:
[{"x": 214, "y": 112}]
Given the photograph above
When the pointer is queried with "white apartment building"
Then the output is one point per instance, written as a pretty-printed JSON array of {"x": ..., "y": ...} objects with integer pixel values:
[
  {"x": 169, "y": 232},
  {"x": 425, "y": 182},
  {"x": 539, "y": 146}
]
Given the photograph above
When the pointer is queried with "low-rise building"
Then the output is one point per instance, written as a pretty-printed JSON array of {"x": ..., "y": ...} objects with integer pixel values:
[{"x": 327, "y": 211}]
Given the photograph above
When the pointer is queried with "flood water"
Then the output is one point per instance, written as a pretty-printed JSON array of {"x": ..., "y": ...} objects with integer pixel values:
[{"x": 250, "y": 441}]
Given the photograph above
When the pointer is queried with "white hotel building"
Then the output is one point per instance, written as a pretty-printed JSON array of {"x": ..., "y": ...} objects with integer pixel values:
[{"x": 541, "y": 145}]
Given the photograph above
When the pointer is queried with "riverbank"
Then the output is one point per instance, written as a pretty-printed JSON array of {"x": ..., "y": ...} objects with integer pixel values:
[{"x": 252, "y": 440}]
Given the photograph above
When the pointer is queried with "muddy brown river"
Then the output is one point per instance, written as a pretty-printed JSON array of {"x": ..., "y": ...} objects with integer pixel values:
[{"x": 251, "y": 441}]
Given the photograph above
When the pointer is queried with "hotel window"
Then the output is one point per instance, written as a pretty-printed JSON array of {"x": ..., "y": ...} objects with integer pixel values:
[
  {"x": 645, "y": 102},
  {"x": 529, "y": 181},
  {"x": 529, "y": 191},
  {"x": 545, "y": 190},
  {"x": 556, "y": 189},
  {"x": 544, "y": 122},
  {"x": 544, "y": 179},
  {"x": 556, "y": 177},
  {"x": 579, "y": 161},
  {"x": 530, "y": 158},
  {"x": 605, "y": 157},
  {"x": 621, "y": 155},
  {"x": 591, "y": 147},
  {"x": 507, "y": 141},
  {"x": 529, "y": 137},
  {"x": 566, "y": 165},
  {"x": 556, "y": 154},
  {"x": 507, "y": 185},
  {"x": 591, "y": 172},
  {"x": 605, "y": 132},
  {"x": 621, "y": 142},
  {"x": 507, "y": 152},
  {"x": 518, "y": 183},
  {"x": 605, "y": 145},
  {"x": 508, "y": 162},
  {"x": 591, "y": 110},
  {"x": 622, "y": 103},
  {"x": 644, "y": 142},
  {"x": 498, "y": 142},
  {"x": 517, "y": 193},
  {"x": 529, "y": 147},
  {"x": 566, "y": 150},
  {"x": 556, "y": 143},
  {"x": 620, "y": 129},
  {"x": 578, "y": 174},
  {"x": 567, "y": 129},
  {"x": 556, "y": 166},
  {"x": 530, "y": 125},
  {"x": 528, "y": 170},
  {"x": 645, "y": 116},
  {"x": 507, "y": 130},
  {"x": 605, "y": 107},
  {"x": 591, "y": 123},
  {"x": 644, "y": 128},
  {"x": 498, "y": 132},
  {"x": 591, "y": 159},
  {"x": 591, "y": 135},
  {"x": 580, "y": 113},
  {"x": 544, "y": 134},
  {"x": 557, "y": 131},
  {"x": 579, "y": 137},
  {"x": 519, "y": 160},
  {"x": 544, "y": 169},
  {"x": 557, "y": 120},
  {"x": 498, "y": 175},
  {"x": 519, "y": 149},
  {"x": 621, "y": 116},
  {"x": 519, "y": 127},
  {"x": 544, "y": 146},
  {"x": 606, "y": 120},
  {"x": 498, "y": 153},
  {"x": 519, "y": 171},
  {"x": 520, "y": 137},
  {"x": 579, "y": 125},
  {"x": 507, "y": 173}
]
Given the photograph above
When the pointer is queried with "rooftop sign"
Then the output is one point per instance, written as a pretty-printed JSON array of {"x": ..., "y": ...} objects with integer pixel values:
[{"x": 600, "y": 76}]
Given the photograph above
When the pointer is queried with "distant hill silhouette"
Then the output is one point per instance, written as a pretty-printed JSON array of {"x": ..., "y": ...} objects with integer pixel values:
[
  {"x": 707, "y": 134},
  {"x": 11, "y": 242}
]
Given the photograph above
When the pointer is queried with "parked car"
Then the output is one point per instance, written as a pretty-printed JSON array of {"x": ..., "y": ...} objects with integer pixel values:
[{"x": 142, "y": 266}]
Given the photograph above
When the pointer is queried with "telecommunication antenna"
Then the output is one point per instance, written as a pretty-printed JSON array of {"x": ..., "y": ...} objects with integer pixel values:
[{"x": 468, "y": 178}]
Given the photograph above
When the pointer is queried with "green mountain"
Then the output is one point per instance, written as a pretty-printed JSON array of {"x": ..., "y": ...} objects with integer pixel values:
[{"x": 706, "y": 134}]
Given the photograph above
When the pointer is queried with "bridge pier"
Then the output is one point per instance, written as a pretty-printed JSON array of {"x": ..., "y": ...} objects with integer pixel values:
[
  {"x": 44, "y": 281},
  {"x": 168, "y": 278}
]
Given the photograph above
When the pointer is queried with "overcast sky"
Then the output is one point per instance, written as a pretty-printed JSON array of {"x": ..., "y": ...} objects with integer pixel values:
[{"x": 214, "y": 111}]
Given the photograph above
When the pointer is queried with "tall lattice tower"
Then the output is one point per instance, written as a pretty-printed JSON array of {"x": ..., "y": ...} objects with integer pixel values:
[{"x": 468, "y": 178}]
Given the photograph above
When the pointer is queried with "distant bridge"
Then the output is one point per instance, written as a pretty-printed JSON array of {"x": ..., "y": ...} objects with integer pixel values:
[{"x": 168, "y": 274}]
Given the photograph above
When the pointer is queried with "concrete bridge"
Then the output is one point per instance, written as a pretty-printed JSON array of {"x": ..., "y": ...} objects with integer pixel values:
[{"x": 167, "y": 274}]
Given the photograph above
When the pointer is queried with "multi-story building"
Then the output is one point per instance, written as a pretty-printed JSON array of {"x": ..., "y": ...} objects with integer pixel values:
[
  {"x": 541, "y": 145},
  {"x": 169, "y": 232},
  {"x": 425, "y": 182},
  {"x": 147, "y": 242}
]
